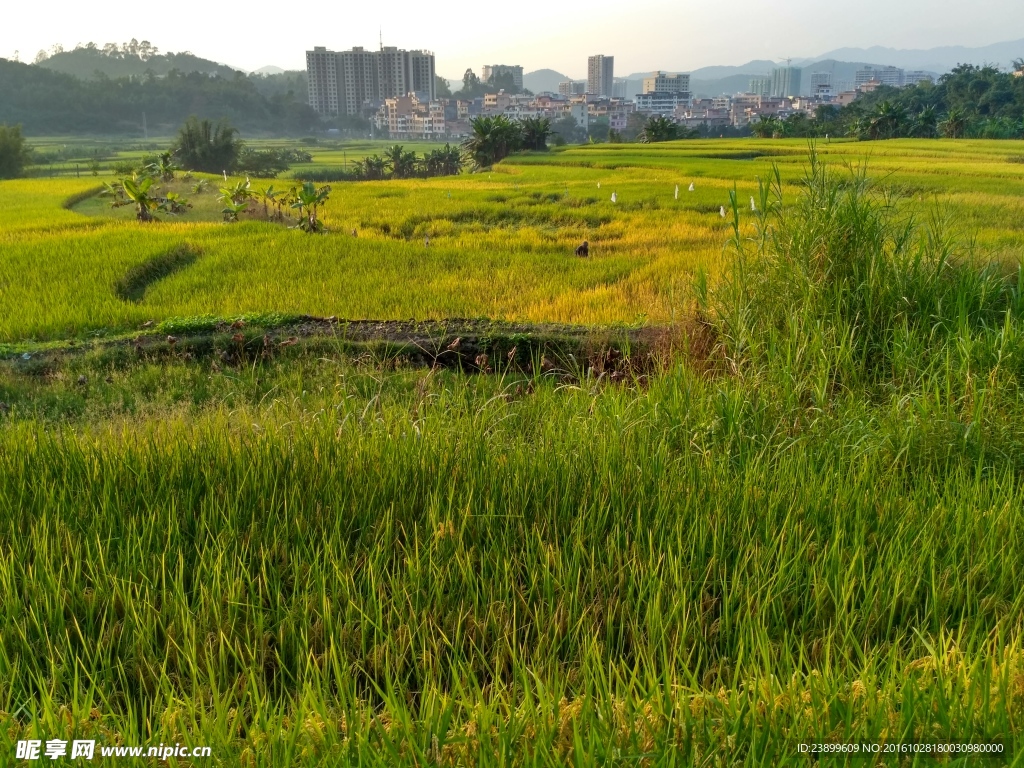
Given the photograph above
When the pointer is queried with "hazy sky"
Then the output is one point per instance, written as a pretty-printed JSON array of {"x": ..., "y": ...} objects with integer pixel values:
[{"x": 642, "y": 34}]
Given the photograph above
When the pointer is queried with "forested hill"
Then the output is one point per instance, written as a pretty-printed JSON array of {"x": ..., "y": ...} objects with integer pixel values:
[
  {"x": 129, "y": 60},
  {"x": 46, "y": 102}
]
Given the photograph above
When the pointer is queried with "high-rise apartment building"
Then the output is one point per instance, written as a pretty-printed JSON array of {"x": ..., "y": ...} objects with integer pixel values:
[
  {"x": 572, "y": 88},
  {"x": 762, "y": 86},
  {"x": 345, "y": 82},
  {"x": 786, "y": 82},
  {"x": 322, "y": 76},
  {"x": 360, "y": 78},
  {"x": 600, "y": 75},
  {"x": 501, "y": 70}
]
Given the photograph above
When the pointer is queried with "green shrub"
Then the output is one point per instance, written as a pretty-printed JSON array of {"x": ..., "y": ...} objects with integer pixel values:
[
  {"x": 322, "y": 175},
  {"x": 14, "y": 154}
]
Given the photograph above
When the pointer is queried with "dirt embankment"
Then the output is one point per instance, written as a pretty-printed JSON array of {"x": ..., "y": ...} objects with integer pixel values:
[{"x": 473, "y": 345}]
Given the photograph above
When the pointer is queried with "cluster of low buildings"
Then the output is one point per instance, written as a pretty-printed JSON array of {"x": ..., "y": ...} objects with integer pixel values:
[
  {"x": 411, "y": 117},
  {"x": 397, "y": 90}
]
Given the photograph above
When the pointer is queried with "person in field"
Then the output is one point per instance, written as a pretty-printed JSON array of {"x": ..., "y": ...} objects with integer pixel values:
[{"x": 583, "y": 249}]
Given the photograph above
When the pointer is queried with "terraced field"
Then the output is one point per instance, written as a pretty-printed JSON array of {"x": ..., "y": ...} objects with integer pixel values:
[
  {"x": 500, "y": 243},
  {"x": 728, "y": 486}
]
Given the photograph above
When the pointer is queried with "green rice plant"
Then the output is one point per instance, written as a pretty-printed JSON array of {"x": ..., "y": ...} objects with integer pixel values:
[
  {"x": 844, "y": 283},
  {"x": 522, "y": 270},
  {"x": 132, "y": 287},
  {"x": 314, "y": 561}
]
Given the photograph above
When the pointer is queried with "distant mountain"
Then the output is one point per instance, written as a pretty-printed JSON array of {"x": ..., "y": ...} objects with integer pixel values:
[
  {"x": 843, "y": 64},
  {"x": 939, "y": 60},
  {"x": 268, "y": 70},
  {"x": 85, "y": 63},
  {"x": 292, "y": 84},
  {"x": 711, "y": 81},
  {"x": 723, "y": 86},
  {"x": 721, "y": 81},
  {"x": 756, "y": 67},
  {"x": 544, "y": 80},
  {"x": 844, "y": 76}
]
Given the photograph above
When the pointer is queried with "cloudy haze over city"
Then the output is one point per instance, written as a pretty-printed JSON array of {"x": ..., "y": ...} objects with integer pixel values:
[{"x": 644, "y": 35}]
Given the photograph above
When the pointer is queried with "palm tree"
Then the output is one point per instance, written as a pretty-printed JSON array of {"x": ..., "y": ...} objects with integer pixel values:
[
  {"x": 493, "y": 139},
  {"x": 860, "y": 128},
  {"x": 956, "y": 123},
  {"x": 430, "y": 164},
  {"x": 446, "y": 161},
  {"x": 767, "y": 127},
  {"x": 452, "y": 160},
  {"x": 536, "y": 131},
  {"x": 372, "y": 167},
  {"x": 403, "y": 164},
  {"x": 657, "y": 129},
  {"x": 239, "y": 193},
  {"x": 888, "y": 121},
  {"x": 925, "y": 124},
  {"x": 202, "y": 146}
]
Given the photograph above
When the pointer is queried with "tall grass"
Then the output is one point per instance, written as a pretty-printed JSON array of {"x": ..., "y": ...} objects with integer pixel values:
[
  {"x": 850, "y": 271},
  {"x": 845, "y": 296}
]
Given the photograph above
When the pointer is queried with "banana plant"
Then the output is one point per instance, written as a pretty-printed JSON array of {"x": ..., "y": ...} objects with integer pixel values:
[
  {"x": 239, "y": 193},
  {"x": 307, "y": 200},
  {"x": 115, "y": 191},
  {"x": 173, "y": 203},
  {"x": 135, "y": 191},
  {"x": 269, "y": 198},
  {"x": 236, "y": 200},
  {"x": 163, "y": 167},
  {"x": 232, "y": 210}
]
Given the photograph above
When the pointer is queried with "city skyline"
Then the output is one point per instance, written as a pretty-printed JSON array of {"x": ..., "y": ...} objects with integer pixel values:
[{"x": 801, "y": 29}]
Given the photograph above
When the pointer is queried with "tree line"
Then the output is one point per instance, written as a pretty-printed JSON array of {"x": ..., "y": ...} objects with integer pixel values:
[
  {"x": 968, "y": 102},
  {"x": 46, "y": 102}
]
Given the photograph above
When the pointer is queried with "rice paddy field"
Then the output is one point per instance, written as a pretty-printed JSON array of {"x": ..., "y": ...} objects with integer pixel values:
[
  {"x": 90, "y": 157},
  {"x": 767, "y": 511}
]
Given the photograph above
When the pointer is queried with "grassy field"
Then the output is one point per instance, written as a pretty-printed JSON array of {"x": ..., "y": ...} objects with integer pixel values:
[
  {"x": 500, "y": 243},
  {"x": 796, "y": 518},
  {"x": 78, "y": 157}
]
